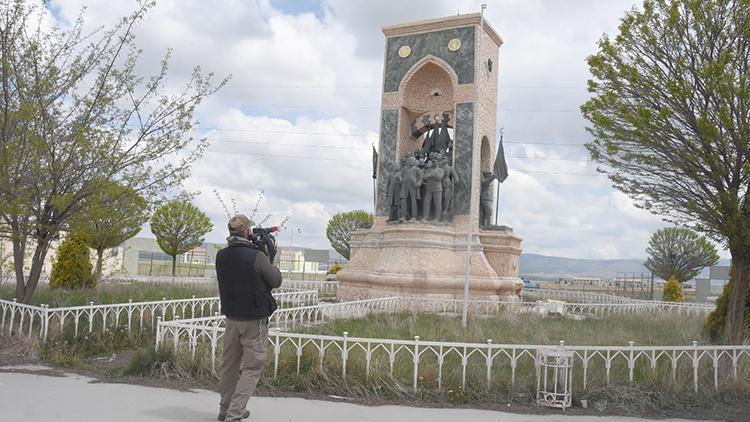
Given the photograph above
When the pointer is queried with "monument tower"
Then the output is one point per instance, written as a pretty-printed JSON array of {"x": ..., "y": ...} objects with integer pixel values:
[{"x": 438, "y": 112}]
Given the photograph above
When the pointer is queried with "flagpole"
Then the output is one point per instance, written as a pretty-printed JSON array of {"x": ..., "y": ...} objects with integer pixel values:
[{"x": 474, "y": 157}]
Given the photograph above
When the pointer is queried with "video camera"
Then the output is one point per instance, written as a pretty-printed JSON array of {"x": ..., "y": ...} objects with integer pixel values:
[{"x": 262, "y": 235}]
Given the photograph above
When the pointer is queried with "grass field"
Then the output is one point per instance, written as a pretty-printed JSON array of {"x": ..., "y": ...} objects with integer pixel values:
[
  {"x": 114, "y": 292},
  {"x": 644, "y": 330},
  {"x": 650, "y": 390}
]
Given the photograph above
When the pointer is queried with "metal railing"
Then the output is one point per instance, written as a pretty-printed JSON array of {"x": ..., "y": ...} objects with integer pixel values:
[
  {"x": 324, "y": 288},
  {"x": 10, "y": 278},
  {"x": 602, "y": 298},
  {"x": 486, "y": 363},
  {"x": 27, "y": 319}
]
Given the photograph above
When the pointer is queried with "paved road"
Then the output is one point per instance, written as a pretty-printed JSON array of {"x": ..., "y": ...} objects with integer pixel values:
[{"x": 29, "y": 396}]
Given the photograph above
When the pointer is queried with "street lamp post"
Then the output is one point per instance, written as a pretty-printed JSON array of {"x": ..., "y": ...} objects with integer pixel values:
[{"x": 474, "y": 165}]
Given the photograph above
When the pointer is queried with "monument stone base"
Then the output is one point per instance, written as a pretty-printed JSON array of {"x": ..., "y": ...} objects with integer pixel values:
[{"x": 429, "y": 260}]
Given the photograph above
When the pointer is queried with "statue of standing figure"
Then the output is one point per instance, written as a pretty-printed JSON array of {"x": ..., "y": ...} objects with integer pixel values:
[
  {"x": 485, "y": 199},
  {"x": 429, "y": 138},
  {"x": 439, "y": 140},
  {"x": 450, "y": 178},
  {"x": 443, "y": 143},
  {"x": 411, "y": 182},
  {"x": 433, "y": 179},
  {"x": 393, "y": 193}
]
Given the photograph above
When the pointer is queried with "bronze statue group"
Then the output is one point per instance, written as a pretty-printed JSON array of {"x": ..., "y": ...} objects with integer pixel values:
[{"x": 421, "y": 186}]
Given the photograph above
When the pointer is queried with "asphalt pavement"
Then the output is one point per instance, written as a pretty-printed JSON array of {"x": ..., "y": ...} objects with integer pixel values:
[{"x": 34, "y": 393}]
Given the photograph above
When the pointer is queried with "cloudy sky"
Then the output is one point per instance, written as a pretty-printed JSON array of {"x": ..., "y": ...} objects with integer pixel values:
[{"x": 301, "y": 111}]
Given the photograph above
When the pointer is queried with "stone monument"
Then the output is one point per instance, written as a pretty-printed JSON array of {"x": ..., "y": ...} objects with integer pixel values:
[{"x": 438, "y": 111}]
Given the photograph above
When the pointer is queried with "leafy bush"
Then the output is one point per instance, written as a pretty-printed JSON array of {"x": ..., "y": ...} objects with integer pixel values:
[
  {"x": 72, "y": 267},
  {"x": 672, "y": 291},
  {"x": 714, "y": 327},
  {"x": 335, "y": 268}
]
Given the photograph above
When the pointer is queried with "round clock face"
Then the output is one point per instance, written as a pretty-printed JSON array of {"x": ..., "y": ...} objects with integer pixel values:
[
  {"x": 404, "y": 51},
  {"x": 454, "y": 44}
]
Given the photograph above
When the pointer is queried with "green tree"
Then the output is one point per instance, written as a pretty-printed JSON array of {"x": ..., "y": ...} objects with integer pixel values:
[
  {"x": 668, "y": 112},
  {"x": 680, "y": 253},
  {"x": 74, "y": 111},
  {"x": 115, "y": 214},
  {"x": 341, "y": 226},
  {"x": 672, "y": 291},
  {"x": 179, "y": 226},
  {"x": 714, "y": 327},
  {"x": 72, "y": 266}
]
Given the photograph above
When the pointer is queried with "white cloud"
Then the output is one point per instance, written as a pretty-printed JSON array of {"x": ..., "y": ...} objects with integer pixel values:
[{"x": 300, "y": 73}]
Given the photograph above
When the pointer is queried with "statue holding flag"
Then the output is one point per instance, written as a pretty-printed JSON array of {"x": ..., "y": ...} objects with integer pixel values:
[{"x": 499, "y": 172}]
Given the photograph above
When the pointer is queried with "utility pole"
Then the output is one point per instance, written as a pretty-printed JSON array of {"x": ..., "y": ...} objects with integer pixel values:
[
  {"x": 291, "y": 247},
  {"x": 474, "y": 166},
  {"x": 652, "y": 286}
]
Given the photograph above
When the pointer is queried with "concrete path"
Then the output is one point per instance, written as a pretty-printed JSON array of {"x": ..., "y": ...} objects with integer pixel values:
[{"x": 33, "y": 397}]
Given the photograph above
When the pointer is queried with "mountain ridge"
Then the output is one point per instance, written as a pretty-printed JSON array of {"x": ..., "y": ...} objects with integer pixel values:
[{"x": 554, "y": 267}]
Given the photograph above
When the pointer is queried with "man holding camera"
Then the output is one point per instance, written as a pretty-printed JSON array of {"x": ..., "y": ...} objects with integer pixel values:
[{"x": 246, "y": 277}]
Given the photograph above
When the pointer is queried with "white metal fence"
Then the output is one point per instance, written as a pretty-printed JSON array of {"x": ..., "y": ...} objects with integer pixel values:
[
  {"x": 291, "y": 318},
  {"x": 27, "y": 319},
  {"x": 166, "y": 279},
  {"x": 486, "y": 364},
  {"x": 703, "y": 364},
  {"x": 10, "y": 278},
  {"x": 324, "y": 288}
]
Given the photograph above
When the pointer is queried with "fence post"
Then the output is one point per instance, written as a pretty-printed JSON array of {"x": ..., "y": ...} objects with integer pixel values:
[
  {"x": 344, "y": 354},
  {"x": 158, "y": 333},
  {"x": 12, "y": 315},
  {"x": 695, "y": 366},
  {"x": 489, "y": 362},
  {"x": 214, "y": 341},
  {"x": 276, "y": 355},
  {"x": 631, "y": 363},
  {"x": 716, "y": 370},
  {"x": 130, "y": 313},
  {"x": 45, "y": 323},
  {"x": 416, "y": 361},
  {"x": 91, "y": 317}
]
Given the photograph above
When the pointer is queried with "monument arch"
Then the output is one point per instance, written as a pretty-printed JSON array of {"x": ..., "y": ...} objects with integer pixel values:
[{"x": 433, "y": 125}]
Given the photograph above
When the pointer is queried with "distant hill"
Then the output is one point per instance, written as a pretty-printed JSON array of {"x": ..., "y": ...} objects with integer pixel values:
[{"x": 553, "y": 267}]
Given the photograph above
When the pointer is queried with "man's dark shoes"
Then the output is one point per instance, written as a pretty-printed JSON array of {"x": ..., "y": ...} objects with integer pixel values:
[{"x": 223, "y": 416}]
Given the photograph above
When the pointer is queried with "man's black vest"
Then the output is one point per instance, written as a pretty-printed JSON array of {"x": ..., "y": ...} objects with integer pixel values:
[{"x": 244, "y": 294}]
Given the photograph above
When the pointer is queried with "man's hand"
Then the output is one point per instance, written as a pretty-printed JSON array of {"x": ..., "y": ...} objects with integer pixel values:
[{"x": 270, "y": 247}]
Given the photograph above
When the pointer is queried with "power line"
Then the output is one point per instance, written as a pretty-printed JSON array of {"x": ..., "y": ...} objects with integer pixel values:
[
  {"x": 312, "y": 87},
  {"x": 288, "y": 156},
  {"x": 336, "y": 106},
  {"x": 367, "y": 136},
  {"x": 368, "y": 161},
  {"x": 367, "y": 148}
]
